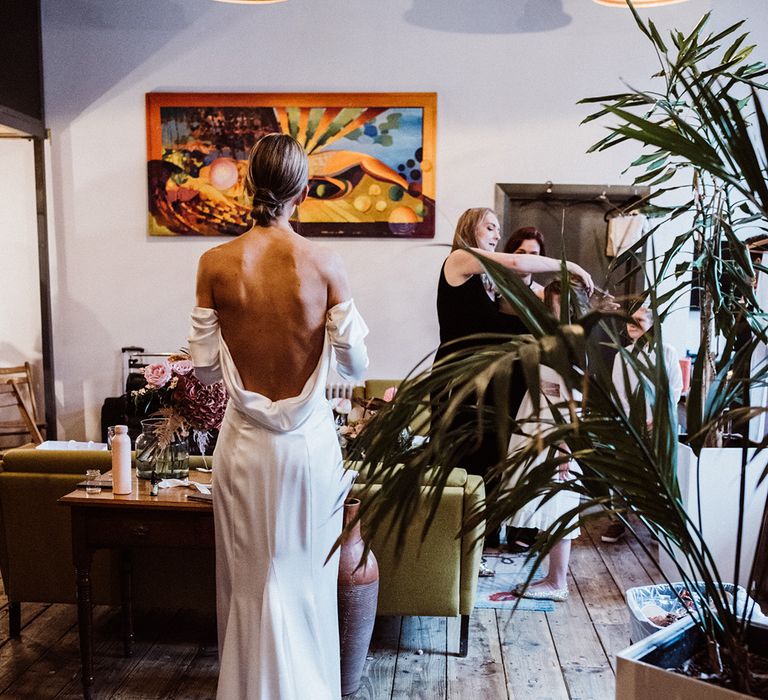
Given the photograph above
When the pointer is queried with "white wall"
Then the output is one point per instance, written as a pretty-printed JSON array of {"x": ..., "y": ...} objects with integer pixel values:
[
  {"x": 20, "y": 338},
  {"x": 507, "y": 75}
]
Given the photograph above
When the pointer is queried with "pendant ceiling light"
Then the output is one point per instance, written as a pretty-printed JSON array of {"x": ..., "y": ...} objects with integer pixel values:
[{"x": 637, "y": 3}]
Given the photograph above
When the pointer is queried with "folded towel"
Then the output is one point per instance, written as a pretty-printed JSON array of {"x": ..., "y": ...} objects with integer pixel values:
[
  {"x": 173, "y": 483},
  {"x": 623, "y": 233}
]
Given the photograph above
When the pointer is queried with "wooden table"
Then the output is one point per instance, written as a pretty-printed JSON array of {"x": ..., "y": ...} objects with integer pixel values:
[{"x": 105, "y": 520}]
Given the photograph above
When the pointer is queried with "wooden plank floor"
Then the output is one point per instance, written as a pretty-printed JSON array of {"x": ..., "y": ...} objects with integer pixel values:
[{"x": 568, "y": 653}]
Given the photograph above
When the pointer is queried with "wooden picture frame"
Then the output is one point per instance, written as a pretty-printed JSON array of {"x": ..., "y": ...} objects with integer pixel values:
[{"x": 371, "y": 161}]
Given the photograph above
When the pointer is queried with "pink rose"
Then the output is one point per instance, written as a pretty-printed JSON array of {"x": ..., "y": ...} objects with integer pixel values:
[
  {"x": 356, "y": 414},
  {"x": 182, "y": 367},
  {"x": 158, "y": 374},
  {"x": 341, "y": 405},
  {"x": 390, "y": 393}
]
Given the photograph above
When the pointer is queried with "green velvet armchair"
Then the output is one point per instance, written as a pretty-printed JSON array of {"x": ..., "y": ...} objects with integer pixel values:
[
  {"x": 436, "y": 575},
  {"x": 439, "y": 575},
  {"x": 375, "y": 388}
]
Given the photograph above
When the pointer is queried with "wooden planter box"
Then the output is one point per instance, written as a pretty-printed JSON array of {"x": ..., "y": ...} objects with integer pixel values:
[{"x": 641, "y": 674}]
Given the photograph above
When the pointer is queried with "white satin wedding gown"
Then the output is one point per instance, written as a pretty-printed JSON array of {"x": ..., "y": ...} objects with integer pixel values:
[{"x": 278, "y": 489}]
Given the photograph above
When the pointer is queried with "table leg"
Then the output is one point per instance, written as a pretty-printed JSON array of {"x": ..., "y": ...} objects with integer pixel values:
[
  {"x": 85, "y": 623},
  {"x": 82, "y": 556},
  {"x": 126, "y": 594},
  {"x": 14, "y": 620}
]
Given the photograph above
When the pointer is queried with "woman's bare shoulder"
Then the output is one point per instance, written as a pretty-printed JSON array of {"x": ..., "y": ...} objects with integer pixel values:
[
  {"x": 459, "y": 266},
  {"x": 209, "y": 268},
  {"x": 220, "y": 252},
  {"x": 331, "y": 268},
  {"x": 321, "y": 257},
  {"x": 326, "y": 256}
]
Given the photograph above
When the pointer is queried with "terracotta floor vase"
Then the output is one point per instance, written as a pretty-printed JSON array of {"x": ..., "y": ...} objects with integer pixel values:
[{"x": 358, "y": 594}]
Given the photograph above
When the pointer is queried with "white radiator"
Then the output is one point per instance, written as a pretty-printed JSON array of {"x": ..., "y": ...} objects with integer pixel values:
[{"x": 340, "y": 390}]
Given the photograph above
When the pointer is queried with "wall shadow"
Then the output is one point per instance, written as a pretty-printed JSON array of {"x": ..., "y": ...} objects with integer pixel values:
[
  {"x": 488, "y": 16},
  {"x": 105, "y": 42}
]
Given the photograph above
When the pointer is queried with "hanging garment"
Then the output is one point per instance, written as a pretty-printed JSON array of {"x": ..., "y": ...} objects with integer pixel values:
[{"x": 623, "y": 233}]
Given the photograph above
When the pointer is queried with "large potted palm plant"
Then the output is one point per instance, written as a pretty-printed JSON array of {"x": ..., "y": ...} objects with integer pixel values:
[
  {"x": 707, "y": 122},
  {"x": 704, "y": 122},
  {"x": 709, "y": 172}
]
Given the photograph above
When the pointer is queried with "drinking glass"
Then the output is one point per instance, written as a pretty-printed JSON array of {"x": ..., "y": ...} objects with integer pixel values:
[
  {"x": 110, "y": 435},
  {"x": 92, "y": 475}
]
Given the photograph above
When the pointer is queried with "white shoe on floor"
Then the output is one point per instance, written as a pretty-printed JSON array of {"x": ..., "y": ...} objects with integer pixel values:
[
  {"x": 485, "y": 572},
  {"x": 558, "y": 595}
]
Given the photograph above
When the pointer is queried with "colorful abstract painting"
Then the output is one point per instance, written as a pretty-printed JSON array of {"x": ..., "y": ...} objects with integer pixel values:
[{"x": 371, "y": 161}]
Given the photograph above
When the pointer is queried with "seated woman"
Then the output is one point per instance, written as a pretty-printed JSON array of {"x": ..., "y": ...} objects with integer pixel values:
[
  {"x": 640, "y": 331},
  {"x": 527, "y": 240},
  {"x": 538, "y": 513}
]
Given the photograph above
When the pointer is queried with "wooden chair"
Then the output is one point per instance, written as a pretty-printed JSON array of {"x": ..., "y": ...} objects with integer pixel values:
[{"x": 17, "y": 395}]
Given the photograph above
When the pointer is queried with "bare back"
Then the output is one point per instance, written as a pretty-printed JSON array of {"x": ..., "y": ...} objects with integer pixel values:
[{"x": 271, "y": 289}]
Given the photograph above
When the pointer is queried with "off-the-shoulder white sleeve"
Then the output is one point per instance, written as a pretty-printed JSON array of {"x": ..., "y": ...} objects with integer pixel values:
[
  {"x": 204, "y": 344},
  {"x": 347, "y": 331}
]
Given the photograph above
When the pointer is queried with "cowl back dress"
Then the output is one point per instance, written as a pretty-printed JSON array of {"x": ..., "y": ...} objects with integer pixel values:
[{"x": 278, "y": 489}]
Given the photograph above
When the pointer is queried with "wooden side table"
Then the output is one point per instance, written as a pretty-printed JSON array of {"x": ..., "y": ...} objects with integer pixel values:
[{"x": 136, "y": 520}]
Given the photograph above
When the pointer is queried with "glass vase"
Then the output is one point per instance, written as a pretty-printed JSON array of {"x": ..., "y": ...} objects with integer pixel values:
[{"x": 170, "y": 461}]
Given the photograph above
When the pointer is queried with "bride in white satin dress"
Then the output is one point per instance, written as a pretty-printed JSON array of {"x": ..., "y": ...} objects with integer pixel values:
[{"x": 272, "y": 310}]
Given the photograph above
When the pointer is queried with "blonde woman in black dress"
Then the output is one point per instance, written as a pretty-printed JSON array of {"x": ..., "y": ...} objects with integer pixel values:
[{"x": 467, "y": 305}]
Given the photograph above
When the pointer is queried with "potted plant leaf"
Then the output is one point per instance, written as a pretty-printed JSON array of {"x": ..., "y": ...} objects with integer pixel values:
[{"x": 707, "y": 125}]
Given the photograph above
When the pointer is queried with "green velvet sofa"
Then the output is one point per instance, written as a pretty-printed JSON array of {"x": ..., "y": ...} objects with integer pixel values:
[
  {"x": 436, "y": 577},
  {"x": 36, "y": 544}
]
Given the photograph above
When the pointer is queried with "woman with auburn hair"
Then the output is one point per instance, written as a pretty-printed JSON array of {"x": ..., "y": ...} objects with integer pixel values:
[
  {"x": 530, "y": 241},
  {"x": 467, "y": 305},
  {"x": 272, "y": 309},
  {"x": 527, "y": 240}
]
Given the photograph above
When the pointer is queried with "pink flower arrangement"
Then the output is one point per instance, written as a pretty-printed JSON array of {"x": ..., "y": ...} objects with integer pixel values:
[
  {"x": 173, "y": 392},
  {"x": 182, "y": 367},
  {"x": 352, "y": 419},
  {"x": 202, "y": 405}
]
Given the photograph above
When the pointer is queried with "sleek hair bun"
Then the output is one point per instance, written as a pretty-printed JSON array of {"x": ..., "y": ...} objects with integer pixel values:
[{"x": 277, "y": 174}]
